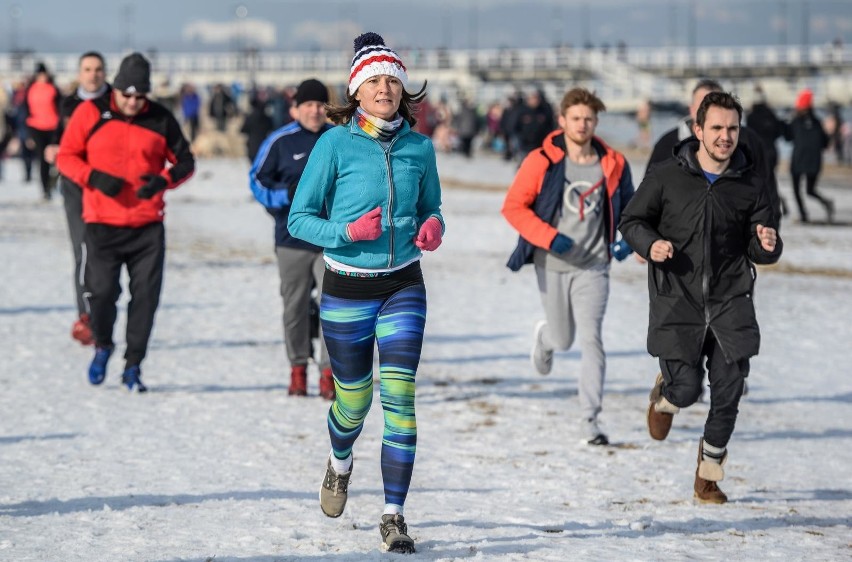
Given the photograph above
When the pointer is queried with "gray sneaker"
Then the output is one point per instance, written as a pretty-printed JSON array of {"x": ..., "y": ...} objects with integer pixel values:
[
  {"x": 395, "y": 534},
  {"x": 334, "y": 491},
  {"x": 542, "y": 359}
]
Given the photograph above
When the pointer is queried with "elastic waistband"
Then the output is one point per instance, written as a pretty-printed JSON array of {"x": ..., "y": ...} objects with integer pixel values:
[{"x": 358, "y": 273}]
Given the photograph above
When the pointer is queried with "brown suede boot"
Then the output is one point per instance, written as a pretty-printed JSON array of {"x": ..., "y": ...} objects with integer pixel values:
[
  {"x": 706, "y": 475},
  {"x": 660, "y": 412}
]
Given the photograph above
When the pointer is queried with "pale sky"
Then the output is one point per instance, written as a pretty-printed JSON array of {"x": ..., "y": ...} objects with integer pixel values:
[{"x": 188, "y": 25}]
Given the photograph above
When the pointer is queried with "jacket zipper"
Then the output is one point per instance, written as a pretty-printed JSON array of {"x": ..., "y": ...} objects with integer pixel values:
[
  {"x": 390, "y": 191},
  {"x": 390, "y": 197},
  {"x": 705, "y": 276}
]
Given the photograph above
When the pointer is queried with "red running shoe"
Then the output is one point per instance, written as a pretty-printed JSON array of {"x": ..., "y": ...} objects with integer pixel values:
[
  {"x": 298, "y": 381},
  {"x": 326, "y": 384},
  {"x": 81, "y": 331}
]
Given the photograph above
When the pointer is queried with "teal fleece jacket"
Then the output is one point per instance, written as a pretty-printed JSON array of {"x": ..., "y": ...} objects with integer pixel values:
[{"x": 350, "y": 173}]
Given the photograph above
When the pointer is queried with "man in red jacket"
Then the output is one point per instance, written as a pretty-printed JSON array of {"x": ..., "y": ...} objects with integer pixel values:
[{"x": 124, "y": 150}]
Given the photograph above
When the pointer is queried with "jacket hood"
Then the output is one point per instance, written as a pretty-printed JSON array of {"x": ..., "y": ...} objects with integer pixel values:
[
  {"x": 554, "y": 146},
  {"x": 685, "y": 152}
]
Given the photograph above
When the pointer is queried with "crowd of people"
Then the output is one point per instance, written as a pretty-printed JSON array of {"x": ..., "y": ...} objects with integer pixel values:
[
  {"x": 351, "y": 183},
  {"x": 508, "y": 127}
]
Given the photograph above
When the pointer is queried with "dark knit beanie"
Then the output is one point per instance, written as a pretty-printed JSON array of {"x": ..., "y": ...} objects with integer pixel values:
[
  {"x": 311, "y": 90},
  {"x": 40, "y": 67},
  {"x": 134, "y": 75}
]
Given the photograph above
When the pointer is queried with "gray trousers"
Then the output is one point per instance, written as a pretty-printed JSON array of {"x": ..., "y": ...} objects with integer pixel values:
[
  {"x": 300, "y": 272},
  {"x": 72, "y": 199},
  {"x": 575, "y": 303}
]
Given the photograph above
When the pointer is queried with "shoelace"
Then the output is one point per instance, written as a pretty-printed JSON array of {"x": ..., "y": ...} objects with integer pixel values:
[
  {"x": 335, "y": 482},
  {"x": 394, "y": 524}
]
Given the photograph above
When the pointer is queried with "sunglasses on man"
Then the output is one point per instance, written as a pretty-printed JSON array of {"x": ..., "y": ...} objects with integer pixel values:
[{"x": 136, "y": 97}]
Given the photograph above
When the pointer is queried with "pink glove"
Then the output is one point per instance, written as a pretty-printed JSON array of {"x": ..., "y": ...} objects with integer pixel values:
[
  {"x": 366, "y": 227},
  {"x": 429, "y": 237}
]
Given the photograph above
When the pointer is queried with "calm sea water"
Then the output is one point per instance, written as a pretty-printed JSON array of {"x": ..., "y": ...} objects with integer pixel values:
[{"x": 621, "y": 130}]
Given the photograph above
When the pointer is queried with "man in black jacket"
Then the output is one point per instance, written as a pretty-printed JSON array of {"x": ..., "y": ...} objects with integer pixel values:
[
  {"x": 91, "y": 79},
  {"x": 702, "y": 220}
]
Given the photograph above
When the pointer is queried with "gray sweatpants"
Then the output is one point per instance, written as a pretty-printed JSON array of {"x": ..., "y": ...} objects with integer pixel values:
[
  {"x": 575, "y": 303},
  {"x": 300, "y": 271}
]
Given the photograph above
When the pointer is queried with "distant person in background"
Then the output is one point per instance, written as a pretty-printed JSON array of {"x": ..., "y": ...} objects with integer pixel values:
[
  {"x": 7, "y": 125},
  {"x": 763, "y": 121},
  {"x": 809, "y": 141},
  {"x": 749, "y": 142},
  {"x": 42, "y": 110},
  {"x": 281, "y": 101},
  {"x": 257, "y": 124},
  {"x": 466, "y": 126},
  {"x": 125, "y": 151},
  {"x": 846, "y": 138},
  {"x": 273, "y": 179},
  {"x": 18, "y": 113},
  {"x": 427, "y": 119},
  {"x": 535, "y": 120},
  {"x": 508, "y": 125},
  {"x": 190, "y": 108},
  {"x": 493, "y": 139},
  {"x": 221, "y": 107},
  {"x": 836, "y": 136},
  {"x": 643, "y": 123},
  {"x": 91, "y": 80}
]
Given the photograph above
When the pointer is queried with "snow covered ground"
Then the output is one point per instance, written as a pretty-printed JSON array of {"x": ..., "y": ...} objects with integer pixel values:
[{"x": 216, "y": 462}]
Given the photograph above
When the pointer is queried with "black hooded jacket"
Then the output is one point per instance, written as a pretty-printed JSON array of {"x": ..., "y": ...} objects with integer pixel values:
[{"x": 708, "y": 284}]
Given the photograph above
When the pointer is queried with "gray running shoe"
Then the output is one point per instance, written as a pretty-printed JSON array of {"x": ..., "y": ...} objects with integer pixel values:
[
  {"x": 395, "y": 534},
  {"x": 334, "y": 491},
  {"x": 542, "y": 359}
]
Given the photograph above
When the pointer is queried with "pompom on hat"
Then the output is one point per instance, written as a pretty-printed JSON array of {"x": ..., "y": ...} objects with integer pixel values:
[
  {"x": 374, "y": 58},
  {"x": 805, "y": 100}
]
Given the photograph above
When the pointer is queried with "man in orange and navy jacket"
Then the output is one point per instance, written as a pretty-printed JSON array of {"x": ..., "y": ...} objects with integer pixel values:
[
  {"x": 125, "y": 151},
  {"x": 565, "y": 202}
]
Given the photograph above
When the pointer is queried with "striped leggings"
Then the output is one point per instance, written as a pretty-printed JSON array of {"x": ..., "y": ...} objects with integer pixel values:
[{"x": 352, "y": 328}]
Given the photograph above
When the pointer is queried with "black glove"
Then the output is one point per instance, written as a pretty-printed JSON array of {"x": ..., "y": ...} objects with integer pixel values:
[
  {"x": 155, "y": 184},
  {"x": 109, "y": 185}
]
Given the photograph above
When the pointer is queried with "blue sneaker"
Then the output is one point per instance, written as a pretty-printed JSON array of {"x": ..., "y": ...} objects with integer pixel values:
[
  {"x": 132, "y": 377},
  {"x": 97, "y": 370}
]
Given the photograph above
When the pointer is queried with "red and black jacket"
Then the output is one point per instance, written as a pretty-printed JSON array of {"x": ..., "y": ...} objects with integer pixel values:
[{"x": 99, "y": 137}]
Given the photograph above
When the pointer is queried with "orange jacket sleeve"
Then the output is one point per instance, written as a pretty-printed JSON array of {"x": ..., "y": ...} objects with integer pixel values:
[{"x": 518, "y": 205}]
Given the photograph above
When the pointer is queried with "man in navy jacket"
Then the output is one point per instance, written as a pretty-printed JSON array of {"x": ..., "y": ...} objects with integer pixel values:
[{"x": 273, "y": 179}]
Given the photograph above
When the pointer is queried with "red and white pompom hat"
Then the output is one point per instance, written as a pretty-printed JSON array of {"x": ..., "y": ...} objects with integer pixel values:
[{"x": 374, "y": 58}]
